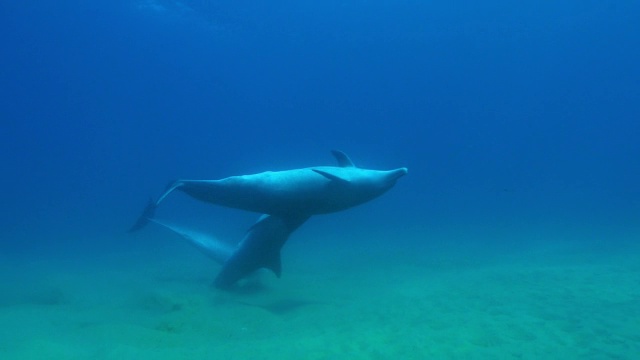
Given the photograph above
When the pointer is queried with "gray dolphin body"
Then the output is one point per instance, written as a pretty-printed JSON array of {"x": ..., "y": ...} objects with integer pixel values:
[
  {"x": 260, "y": 247},
  {"x": 288, "y": 198},
  {"x": 308, "y": 191}
]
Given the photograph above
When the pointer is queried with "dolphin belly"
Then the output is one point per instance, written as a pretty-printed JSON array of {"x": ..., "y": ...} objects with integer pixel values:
[{"x": 282, "y": 193}]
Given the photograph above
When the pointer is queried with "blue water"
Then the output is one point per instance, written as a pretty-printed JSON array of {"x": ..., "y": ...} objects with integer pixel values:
[{"x": 512, "y": 117}]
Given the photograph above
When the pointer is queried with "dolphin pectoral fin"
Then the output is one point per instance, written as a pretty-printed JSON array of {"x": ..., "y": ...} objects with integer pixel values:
[
  {"x": 343, "y": 159},
  {"x": 148, "y": 213},
  {"x": 331, "y": 177}
]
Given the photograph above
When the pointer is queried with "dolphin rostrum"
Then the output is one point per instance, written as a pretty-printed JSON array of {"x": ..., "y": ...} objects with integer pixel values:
[{"x": 298, "y": 192}]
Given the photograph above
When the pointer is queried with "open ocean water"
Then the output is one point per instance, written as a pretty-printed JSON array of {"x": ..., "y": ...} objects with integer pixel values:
[{"x": 515, "y": 234}]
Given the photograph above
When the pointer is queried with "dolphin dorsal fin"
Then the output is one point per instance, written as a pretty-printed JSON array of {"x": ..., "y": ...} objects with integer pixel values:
[
  {"x": 331, "y": 177},
  {"x": 343, "y": 159}
]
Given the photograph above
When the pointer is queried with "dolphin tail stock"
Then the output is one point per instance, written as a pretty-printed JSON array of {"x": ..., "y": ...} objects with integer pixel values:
[
  {"x": 169, "y": 189},
  {"x": 147, "y": 214}
]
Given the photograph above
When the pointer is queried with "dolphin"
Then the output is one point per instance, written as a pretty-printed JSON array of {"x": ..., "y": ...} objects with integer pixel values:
[
  {"x": 296, "y": 193},
  {"x": 260, "y": 247}
]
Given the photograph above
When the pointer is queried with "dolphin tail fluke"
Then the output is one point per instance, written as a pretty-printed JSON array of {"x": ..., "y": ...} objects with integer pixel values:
[
  {"x": 150, "y": 210},
  {"x": 147, "y": 214}
]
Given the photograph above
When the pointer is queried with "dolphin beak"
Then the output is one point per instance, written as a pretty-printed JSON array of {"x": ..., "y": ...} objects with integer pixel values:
[{"x": 398, "y": 173}]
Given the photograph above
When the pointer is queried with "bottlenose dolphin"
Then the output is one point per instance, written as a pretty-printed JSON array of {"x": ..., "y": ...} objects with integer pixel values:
[
  {"x": 291, "y": 193},
  {"x": 287, "y": 198},
  {"x": 260, "y": 247}
]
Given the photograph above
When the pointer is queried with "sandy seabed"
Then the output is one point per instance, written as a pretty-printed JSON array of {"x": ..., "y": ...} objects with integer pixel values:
[{"x": 359, "y": 303}]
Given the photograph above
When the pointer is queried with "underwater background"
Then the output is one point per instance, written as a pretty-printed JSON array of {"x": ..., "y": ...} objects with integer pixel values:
[{"x": 515, "y": 233}]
